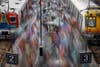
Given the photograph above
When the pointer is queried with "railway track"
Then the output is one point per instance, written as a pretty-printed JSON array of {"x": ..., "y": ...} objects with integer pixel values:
[
  {"x": 96, "y": 53},
  {"x": 94, "y": 46},
  {"x": 5, "y": 47}
]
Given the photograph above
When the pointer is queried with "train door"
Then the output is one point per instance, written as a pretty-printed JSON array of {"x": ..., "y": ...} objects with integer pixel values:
[
  {"x": 3, "y": 21},
  {"x": 76, "y": 13},
  {"x": 80, "y": 21},
  {"x": 3, "y": 18}
]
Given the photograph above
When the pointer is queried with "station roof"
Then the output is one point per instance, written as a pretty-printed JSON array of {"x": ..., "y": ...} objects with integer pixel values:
[
  {"x": 83, "y": 4},
  {"x": 14, "y": 5}
]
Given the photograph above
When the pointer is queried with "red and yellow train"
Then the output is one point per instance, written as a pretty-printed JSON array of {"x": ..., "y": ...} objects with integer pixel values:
[
  {"x": 12, "y": 14},
  {"x": 87, "y": 17}
]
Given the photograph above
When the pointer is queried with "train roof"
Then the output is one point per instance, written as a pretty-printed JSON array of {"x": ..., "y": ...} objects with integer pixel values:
[
  {"x": 14, "y": 5},
  {"x": 83, "y": 4}
]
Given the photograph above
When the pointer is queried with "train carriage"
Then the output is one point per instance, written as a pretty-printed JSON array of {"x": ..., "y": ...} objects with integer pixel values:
[
  {"x": 12, "y": 14},
  {"x": 87, "y": 15}
]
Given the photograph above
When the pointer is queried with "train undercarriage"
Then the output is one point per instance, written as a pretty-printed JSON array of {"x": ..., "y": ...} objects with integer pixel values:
[{"x": 93, "y": 44}]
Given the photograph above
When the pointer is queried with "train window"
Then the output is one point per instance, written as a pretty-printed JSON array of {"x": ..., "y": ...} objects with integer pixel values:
[
  {"x": 80, "y": 18},
  {"x": 12, "y": 19},
  {"x": 90, "y": 21},
  {"x": 98, "y": 14},
  {"x": 3, "y": 18},
  {"x": 76, "y": 13}
]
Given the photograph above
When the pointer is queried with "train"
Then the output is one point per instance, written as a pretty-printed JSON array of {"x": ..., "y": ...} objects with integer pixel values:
[
  {"x": 12, "y": 15},
  {"x": 87, "y": 15}
]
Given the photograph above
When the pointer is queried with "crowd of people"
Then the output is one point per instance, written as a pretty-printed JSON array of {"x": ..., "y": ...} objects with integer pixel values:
[{"x": 56, "y": 37}]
